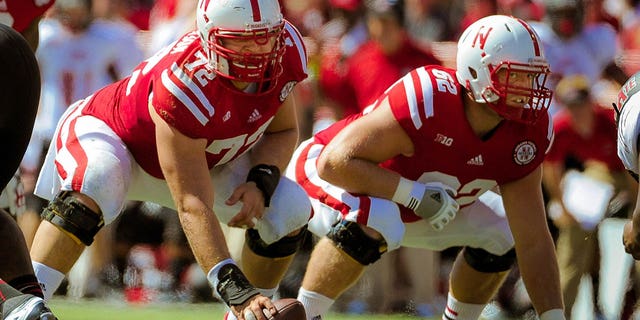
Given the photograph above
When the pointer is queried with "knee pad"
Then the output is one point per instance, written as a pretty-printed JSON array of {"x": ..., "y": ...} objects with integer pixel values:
[
  {"x": 484, "y": 261},
  {"x": 282, "y": 248},
  {"x": 73, "y": 217},
  {"x": 350, "y": 238}
]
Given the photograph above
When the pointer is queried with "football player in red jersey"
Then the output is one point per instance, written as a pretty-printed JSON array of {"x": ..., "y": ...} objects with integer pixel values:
[
  {"x": 204, "y": 126},
  {"x": 423, "y": 167},
  {"x": 20, "y": 295}
]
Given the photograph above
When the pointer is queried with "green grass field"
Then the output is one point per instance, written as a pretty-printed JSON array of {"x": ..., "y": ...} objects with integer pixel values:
[{"x": 112, "y": 310}]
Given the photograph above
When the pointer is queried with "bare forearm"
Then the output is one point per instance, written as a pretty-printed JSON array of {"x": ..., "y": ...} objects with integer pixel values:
[
  {"x": 551, "y": 177},
  {"x": 635, "y": 218},
  {"x": 361, "y": 176},
  {"x": 275, "y": 148},
  {"x": 539, "y": 270},
  {"x": 204, "y": 234}
]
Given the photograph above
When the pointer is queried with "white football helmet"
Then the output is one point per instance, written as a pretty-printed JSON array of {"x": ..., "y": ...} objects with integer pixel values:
[
  {"x": 257, "y": 20},
  {"x": 501, "y": 42}
]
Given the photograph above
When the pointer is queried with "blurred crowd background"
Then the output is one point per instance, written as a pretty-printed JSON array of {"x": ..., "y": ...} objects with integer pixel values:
[{"x": 356, "y": 49}]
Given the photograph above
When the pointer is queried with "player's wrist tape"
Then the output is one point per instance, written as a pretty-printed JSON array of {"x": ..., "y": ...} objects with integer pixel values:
[
  {"x": 553, "y": 314},
  {"x": 230, "y": 284},
  {"x": 266, "y": 178},
  {"x": 409, "y": 193}
]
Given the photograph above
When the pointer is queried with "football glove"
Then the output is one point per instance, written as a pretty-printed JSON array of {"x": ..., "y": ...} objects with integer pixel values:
[{"x": 437, "y": 205}]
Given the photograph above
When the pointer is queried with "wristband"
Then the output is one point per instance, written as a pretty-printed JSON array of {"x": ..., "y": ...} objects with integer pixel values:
[
  {"x": 266, "y": 178},
  {"x": 409, "y": 193},
  {"x": 553, "y": 314},
  {"x": 230, "y": 284}
]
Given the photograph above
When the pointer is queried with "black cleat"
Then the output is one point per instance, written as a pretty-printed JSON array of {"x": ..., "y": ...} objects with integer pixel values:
[{"x": 31, "y": 308}]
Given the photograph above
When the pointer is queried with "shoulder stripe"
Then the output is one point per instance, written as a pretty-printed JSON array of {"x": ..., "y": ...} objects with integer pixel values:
[
  {"x": 182, "y": 96},
  {"x": 410, "y": 93},
  {"x": 297, "y": 39},
  {"x": 427, "y": 91},
  {"x": 188, "y": 82}
]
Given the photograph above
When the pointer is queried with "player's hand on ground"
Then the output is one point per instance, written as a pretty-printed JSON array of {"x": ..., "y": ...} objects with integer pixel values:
[
  {"x": 252, "y": 308},
  {"x": 631, "y": 240},
  {"x": 252, "y": 205}
]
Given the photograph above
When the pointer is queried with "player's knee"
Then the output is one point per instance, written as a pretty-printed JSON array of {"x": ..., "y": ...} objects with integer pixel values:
[
  {"x": 355, "y": 242},
  {"x": 284, "y": 247},
  {"x": 484, "y": 261},
  {"x": 73, "y": 217}
]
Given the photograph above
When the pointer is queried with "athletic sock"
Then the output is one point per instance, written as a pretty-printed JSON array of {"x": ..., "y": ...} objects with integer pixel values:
[
  {"x": 27, "y": 283},
  {"x": 315, "y": 304},
  {"x": 460, "y": 310},
  {"x": 49, "y": 278}
]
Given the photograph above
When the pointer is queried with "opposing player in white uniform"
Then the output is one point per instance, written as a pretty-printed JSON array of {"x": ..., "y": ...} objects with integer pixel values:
[
  {"x": 573, "y": 48},
  {"x": 77, "y": 56},
  {"x": 437, "y": 141},
  {"x": 628, "y": 118},
  {"x": 204, "y": 126}
]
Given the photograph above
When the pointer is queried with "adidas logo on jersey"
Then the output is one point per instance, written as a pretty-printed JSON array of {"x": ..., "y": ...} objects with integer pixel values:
[
  {"x": 476, "y": 161},
  {"x": 255, "y": 115}
]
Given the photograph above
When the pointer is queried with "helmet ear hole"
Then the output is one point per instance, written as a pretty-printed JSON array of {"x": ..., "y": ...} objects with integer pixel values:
[{"x": 473, "y": 73}]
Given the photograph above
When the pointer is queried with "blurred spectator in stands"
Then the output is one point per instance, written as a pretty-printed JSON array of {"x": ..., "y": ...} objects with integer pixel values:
[
  {"x": 426, "y": 21},
  {"x": 135, "y": 12},
  {"x": 574, "y": 47},
  {"x": 308, "y": 16},
  {"x": 343, "y": 35},
  {"x": 595, "y": 12},
  {"x": 169, "y": 20},
  {"x": 376, "y": 63},
  {"x": 319, "y": 24},
  {"x": 473, "y": 10},
  {"x": 528, "y": 10},
  {"x": 630, "y": 37},
  {"x": 585, "y": 137},
  {"x": 77, "y": 55}
]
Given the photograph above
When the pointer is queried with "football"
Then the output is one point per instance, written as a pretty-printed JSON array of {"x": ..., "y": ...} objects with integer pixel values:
[{"x": 288, "y": 309}]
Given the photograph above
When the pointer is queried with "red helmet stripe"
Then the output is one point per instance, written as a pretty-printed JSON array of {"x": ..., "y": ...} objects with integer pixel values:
[
  {"x": 255, "y": 7},
  {"x": 204, "y": 4},
  {"x": 534, "y": 38}
]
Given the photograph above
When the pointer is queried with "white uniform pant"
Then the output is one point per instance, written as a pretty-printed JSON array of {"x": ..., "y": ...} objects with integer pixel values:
[
  {"x": 88, "y": 157},
  {"x": 482, "y": 224}
]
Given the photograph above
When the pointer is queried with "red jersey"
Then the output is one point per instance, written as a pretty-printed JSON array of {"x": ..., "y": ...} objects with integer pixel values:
[
  {"x": 427, "y": 103},
  {"x": 600, "y": 146},
  {"x": 189, "y": 96},
  {"x": 19, "y": 14}
]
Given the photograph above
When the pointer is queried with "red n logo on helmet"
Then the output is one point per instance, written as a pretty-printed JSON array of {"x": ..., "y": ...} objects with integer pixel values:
[{"x": 481, "y": 37}]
